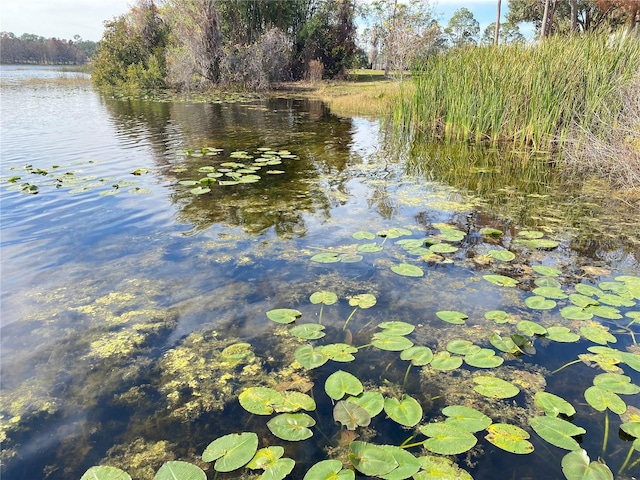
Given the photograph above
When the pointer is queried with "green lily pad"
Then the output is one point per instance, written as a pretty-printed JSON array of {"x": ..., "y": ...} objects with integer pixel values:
[
  {"x": 466, "y": 418},
  {"x": 397, "y": 327},
  {"x": 443, "y": 361},
  {"x": 605, "y": 311},
  {"x": 443, "y": 248},
  {"x": 576, "y": 466},
  {"x": 562, "y": 334},
  {"x": 598, "y": 334},
  {"x": 188, "y": 183},
  {"x": 324, "y": 297},
  {"x": 631, "y": 428},
  {"x": 616, "y": 383},
  {"x": 550, "y": 292},
  {"x": 293, "y": 401},
  {"x": 616, "y": 287},
  {"x": 407, "y": 270},
  {"x": 407, "y": 464},
  {"x": 326, "y": 257},
  {"x": 462, "y": 347},
  {"x": 391, "y": 343},
  {"x": 537, "y": 302},
  {"x": 283, "y": 315},
  {"x": 498, "y": 316},
  {"x": 540, "y": 243},
  {"x": 292, "y": 427},
  {"x": 341, "y": 383},
  {"x": 546, "y": 271},
  {"x": 615, "y": 300},
  {"x": 588, "y": 290},
  {"x": 447, "y": 439},
  {"x": 553, "y": 405},
  {"x": 394, "y": 232},
  {"x": 372, "y": 402},
  {"x": 573, "y": 312},
  {"x": 557, "y": 431},
  {"x": 531, "y": 234},
  {"x": 363, "y": 235},
  {"x": 259, "y": 400},
  {"x": 364, "y": 300},
  {"x": 451, "y": 234},
  {"x": 310, "y": 357},
  {"x": 452, "y": 316},
  {"x": 329, "y": 470},
  {"x": 350, "y": 258},
  {"x": 265, "y": 457},
  {"x": 440, "y": 468},
  {"x": 418, "y": 355},
  {"x": 370, "y": 248},
  {"x": 338, "y": 352},
  {"x": 231, "y": 451},
  {"x": 547, "y": 282},
  {"x": 494, "y": 387},
  {"x": 351, "y": 415},
  {"x": 105, "y": 472},
  {"x": 632, "y": 359},
  {"x": 406, "y": 411},
  {"x": 491, "y": 232},
  {"x": 502, "y": 255},
  {"x": 308, "y": 331},
  {"x": 501, "y": 280},
  {"x": 371, "y": 460},
  {"x": 484, "y": 358},
  {"x": 278, "y": 470},
  {"x": 582, "y": 301},
  {"x": 504, "y": 344},
  {"x": 200, "y": 190},
  {"x": 510, "y": 438},
  {"x": 531, "y": 328},
  {"x": 177, "y": 469}
]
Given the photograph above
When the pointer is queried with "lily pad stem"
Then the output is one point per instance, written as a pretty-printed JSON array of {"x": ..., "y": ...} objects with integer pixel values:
[
  {"x": 364, "y": 346},
  {"x": 349, "y": 318},
  {"x": 320, "y": 316},
  {"x": 606, "y": 432},
  {"x": 406, "y": 376},
  {"x": 565, "y": 366},
  {"x": 626, "y": 460},
  {"x": 407, "y": 441},
  {"x": 411, "y": 445}
]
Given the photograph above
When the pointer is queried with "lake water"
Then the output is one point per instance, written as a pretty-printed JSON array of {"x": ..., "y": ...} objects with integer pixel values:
[{"x": 124, "y": 280}]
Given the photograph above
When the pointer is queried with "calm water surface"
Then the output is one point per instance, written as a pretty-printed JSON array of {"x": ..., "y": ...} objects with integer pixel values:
[{"x": 121, "y": 288}]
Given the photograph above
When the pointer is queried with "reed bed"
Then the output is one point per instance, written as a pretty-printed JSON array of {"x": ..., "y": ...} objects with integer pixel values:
[{"x": 529, "y": 95}]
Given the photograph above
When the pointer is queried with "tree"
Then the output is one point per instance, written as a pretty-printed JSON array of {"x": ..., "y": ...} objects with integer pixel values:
[
  {"x": 462, "y": 28},
  {"x": 496, "y": 32},
  {"x": 509, "y": 33}
]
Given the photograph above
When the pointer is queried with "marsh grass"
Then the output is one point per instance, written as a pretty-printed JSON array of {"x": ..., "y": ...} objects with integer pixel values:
[{"x": 528, "y": 95}]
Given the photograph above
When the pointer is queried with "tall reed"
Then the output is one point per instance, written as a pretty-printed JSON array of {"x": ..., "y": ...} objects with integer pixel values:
[{"x": 531, "y": 95}]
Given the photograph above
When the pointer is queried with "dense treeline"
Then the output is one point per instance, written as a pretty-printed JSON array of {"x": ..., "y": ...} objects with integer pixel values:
[{"x": 30, "y": 48}]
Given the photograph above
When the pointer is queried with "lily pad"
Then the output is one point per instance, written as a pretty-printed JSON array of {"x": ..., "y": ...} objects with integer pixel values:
[
  {"x": 443, "y": 361},
  {"x": 292, "y": 427},
  {"x": 598, "y": 334},
  {"x": 451, "y": 234},
  {"x": 540, "y": 243},
  {"x": 562, "y": 334},
  {"x": 501, "y": 280},
  {"x": 391, "y": 343},
  {"x": 364, "y": 300},
  {"x": 341, "y": 383},
  {"x": 466, "y": 418},
  {"x": 546, "y": 271},
  {"x": 605, "y": 311},
  {"x": 338, "y": 352},
  {"x": 491, "y": 232},
  {"x": 504, "y": 344},
  {"x": 326, "y": 257},
  {"x": 550, "y": 292},
  {"x": 370, "y": 459},
  {"x": 177, "y": 469},
  {"x": 616, "y": 383},
  {"x": 440, "y": 468},
  {"x": 462, "y": 347},
  {"x": 394, "y": 232},
  {"x": 407, "y": 270},
  {"x": 573, "y": 312},
  {"x": 372, "y": 402},
  {"x": 557, "y": 431},
  {"x": 582, "y": 301},
  {"x": 308, "y": 331},
  {"x": 484, "y": 358},
  {"x": 510, "y": 438},
  {"x": 498, "y": 316},
  {"x": 406, "y": 411},
  {"x": 231, "y": 451},
  {"x": 363, "y": 235},
  {"x": 494, "y": 387},
  {"x": 407, "y": 464},
  {"x": 537, "y": 302},
  {"x": 259, "y": 400},
  {"x": 418, "y": 355},
  {"x": 531, "y": 328},
  {"x": 447, "y": 439},
  {"x": 310, "y": 357},
  {"x": 553, "y": 405},
  {"x": 577, "y": 466},
  {"x": 351, "y": 415},
  {"x": 443, "y": 248},
  {"x": 265, "y": 457},
  {"x": 105, "y": 472},
  {"x": 329, "y": 470},
  {"x": 588, "y": 290},
  {"x": 452, "y": 316},
  {"x": 547, "y": 282},
  {"x": 278, "y": 470},
  {"x": 295, "y": 401},
  {"x": 200, "y": 190},
  {"x": 531, "y": 234},
  {"x": 397, "y": 327},
  {"x": 283, "y": 315},
  {"x": 370, "y": 248},
  {"x": 502, "y": 255},
  {"x": 324, "y": 297}
]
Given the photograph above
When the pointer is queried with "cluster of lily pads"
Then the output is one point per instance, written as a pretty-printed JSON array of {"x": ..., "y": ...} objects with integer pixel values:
[
  {"x": 456, "y": 430},
  {"x": 59, "y": 178},
  {"x": 241, "y": 168}
]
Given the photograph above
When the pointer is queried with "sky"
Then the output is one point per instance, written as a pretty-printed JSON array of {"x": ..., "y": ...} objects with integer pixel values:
[{"x": 65, "y": 18}]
